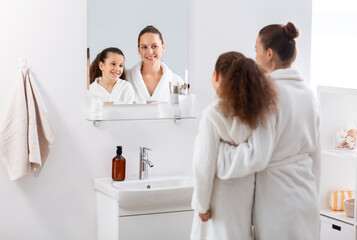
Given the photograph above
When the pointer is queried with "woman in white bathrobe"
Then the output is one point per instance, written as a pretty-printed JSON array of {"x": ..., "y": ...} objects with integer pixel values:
[
  {"x": 228, "y": 203},
  {"x": 105, "y": 73},
  {"x": 151, "y": 77},
  {"x": 285, "y": 154}
]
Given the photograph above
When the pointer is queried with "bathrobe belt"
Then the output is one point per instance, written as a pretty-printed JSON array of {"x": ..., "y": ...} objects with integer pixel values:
[{"x": 288, "y": 160}]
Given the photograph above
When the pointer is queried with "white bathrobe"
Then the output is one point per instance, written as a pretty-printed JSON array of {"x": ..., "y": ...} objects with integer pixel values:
[
  {"x": 230, "y": 201},
  {"x": 286, "y": 156},
  {"x": 162, "y": 90},
  {"x": 122, "y": 92}
]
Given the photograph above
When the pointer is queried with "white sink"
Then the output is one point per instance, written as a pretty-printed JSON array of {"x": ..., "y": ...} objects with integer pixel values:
[{"x": 154, "y": 193}]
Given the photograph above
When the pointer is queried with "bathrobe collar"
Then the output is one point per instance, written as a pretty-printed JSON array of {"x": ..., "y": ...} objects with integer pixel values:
[
  {"x": 115, "y": 89},
  {"x": 161, "y": 88},
  {"x": 286, "y": 74}
]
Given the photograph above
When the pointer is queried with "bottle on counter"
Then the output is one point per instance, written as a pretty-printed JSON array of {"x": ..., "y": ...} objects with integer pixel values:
[{"x": 118, "y": 166}]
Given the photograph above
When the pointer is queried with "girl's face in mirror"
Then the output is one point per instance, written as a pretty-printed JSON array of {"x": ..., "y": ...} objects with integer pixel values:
[
  {"x": 151, "y": 48},
  {"x": 113, "y": 66}
]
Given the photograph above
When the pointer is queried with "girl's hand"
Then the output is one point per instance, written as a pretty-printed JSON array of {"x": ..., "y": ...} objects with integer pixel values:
[{"x": 205, "y": 216}]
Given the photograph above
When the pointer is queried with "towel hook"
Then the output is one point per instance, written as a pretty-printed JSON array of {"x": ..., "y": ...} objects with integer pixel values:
[{"x": 23, "y": 63}]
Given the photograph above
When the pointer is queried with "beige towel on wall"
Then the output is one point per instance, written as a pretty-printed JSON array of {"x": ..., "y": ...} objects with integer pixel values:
[{"x": 26, "y": 134}]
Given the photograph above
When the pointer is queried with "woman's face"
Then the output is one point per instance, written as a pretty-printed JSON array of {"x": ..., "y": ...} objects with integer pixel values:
[
  {"x": 113, "y": 66},
  {"x": 262, "y": 56},
  {"x": 151, "y": 48}
]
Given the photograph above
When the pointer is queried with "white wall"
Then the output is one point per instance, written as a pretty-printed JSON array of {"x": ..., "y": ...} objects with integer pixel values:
[
  {"x": 60, "y": 203},
  {"x": 334, "y": 28}
]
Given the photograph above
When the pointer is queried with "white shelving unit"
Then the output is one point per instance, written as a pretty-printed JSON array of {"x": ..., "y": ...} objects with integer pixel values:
[
  {"x": 338, "y": 173},
  {"x": 339, "y": 154},
  {"x": 338, "y": 215},
  {"x": 338, "y": 168}
]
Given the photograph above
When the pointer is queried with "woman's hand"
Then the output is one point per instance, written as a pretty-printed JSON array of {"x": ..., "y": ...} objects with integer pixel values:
[{"x": 205, "y": 216}]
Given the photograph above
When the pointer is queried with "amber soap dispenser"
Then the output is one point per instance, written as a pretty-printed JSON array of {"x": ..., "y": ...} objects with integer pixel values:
[{"x": 118, "y": 166}]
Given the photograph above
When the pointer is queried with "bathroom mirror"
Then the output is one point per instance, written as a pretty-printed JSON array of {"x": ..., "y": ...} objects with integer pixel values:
[{"x": 117, "y": 23}]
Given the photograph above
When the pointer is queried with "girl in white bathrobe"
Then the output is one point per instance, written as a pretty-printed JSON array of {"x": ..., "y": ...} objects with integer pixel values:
[
  {"x": 286, "y": 152},
  {"x": 223, "y": 208},
  {"x": 150, "y": 77},
  {"x": 105, "y": 73}
]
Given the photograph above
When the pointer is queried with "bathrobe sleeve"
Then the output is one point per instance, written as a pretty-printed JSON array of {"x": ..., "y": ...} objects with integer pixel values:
[
  {"x": 126, "y": 94},
  {"x": 129, "y": 94},
  {"x": 204, "y": 164},
  {"x": 316, "y": 156},
  {"x": 248, "y": 157}
]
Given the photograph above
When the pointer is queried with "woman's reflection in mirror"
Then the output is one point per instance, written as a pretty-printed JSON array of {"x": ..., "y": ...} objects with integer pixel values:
[{"x": 151, "y": 77}]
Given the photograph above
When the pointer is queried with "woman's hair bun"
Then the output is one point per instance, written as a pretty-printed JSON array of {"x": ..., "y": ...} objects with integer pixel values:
[{"x": 290, "y": 31}]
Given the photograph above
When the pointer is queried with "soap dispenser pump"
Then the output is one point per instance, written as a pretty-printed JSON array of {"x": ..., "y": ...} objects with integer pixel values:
[{"x": 118, "y": 166}]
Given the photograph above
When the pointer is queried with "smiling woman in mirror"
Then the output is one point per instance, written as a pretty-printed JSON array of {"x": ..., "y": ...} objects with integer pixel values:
[
  {"x": 151, "y": 78},
  {"x": 107, "y": 78}
]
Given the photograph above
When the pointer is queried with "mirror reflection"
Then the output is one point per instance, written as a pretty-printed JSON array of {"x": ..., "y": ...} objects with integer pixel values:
[{"x": 137, "y": 50}]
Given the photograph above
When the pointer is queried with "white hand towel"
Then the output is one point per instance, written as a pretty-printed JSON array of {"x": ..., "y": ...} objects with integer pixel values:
[{"x": 26, "y": 134}]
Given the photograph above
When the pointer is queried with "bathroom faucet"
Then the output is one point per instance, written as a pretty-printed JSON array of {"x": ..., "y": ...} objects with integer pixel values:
[{"x": 144, "y": 163}]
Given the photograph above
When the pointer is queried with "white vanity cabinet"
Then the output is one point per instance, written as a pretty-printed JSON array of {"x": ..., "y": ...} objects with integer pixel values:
[
  {"x": 338, "y": 169},
  {"x": 115, "y": 224},
  {"x": 155, "y": 208},
  {"x": 171, "y": 225}
]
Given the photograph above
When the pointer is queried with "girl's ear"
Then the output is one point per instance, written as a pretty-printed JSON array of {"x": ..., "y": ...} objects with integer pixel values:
[
  {"x": 215, "y": 81},
  {"x": 215, "y": 76},
  {"x": 163, "y": 47},
  {"x": 101, "y": 66}
]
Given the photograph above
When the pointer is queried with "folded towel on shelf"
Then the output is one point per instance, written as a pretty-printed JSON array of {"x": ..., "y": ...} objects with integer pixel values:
[{"x": 26, "y": 134}]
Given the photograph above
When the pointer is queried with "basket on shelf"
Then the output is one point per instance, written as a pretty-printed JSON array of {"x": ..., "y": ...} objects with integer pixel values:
[{"x": 349, "y": 205}]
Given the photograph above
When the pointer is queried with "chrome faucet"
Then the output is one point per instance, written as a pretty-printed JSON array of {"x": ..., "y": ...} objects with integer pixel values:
[{"x": 144, "y": 163}]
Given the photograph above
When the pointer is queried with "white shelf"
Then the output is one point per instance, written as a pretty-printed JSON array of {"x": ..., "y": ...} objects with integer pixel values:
[
  {"x": 177, "y": 120},
  {"x": 138, "y": 119},
  {"x": 338, "y": 215},
  {"x": 339, "y": 154}
]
